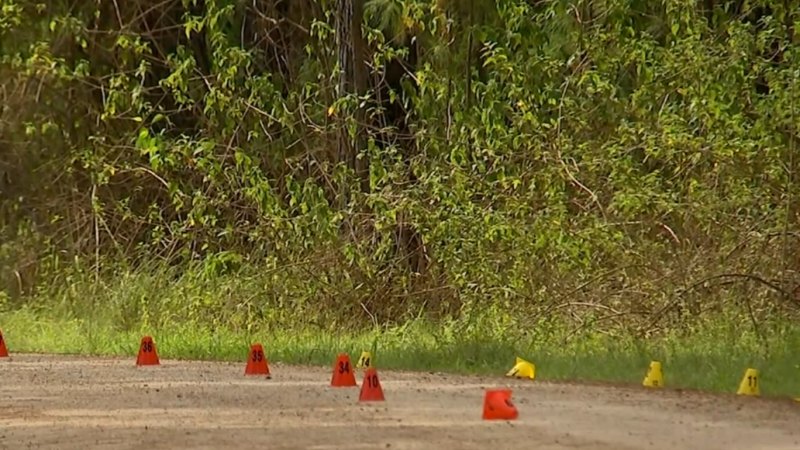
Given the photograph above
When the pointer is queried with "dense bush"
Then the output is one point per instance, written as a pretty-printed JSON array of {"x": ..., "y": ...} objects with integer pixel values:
[{"x": 617, "y": 163}]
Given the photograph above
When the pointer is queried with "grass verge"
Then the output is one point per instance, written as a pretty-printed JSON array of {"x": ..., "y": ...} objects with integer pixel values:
[{"x": 713, "y": 358}]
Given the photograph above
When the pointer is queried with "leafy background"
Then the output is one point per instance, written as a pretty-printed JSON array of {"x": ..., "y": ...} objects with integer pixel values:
[{"x": 522, "y": 170}]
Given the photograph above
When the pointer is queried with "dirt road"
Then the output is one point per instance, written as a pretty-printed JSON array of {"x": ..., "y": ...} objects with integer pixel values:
[{"x": 81, "y": 403}]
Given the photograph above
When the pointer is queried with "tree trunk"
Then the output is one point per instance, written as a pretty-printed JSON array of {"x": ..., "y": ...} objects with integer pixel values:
[{"x": 352, "y": 80}]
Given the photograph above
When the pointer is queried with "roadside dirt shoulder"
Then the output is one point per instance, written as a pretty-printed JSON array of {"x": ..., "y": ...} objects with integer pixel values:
[{"x": 68, "y": 402}]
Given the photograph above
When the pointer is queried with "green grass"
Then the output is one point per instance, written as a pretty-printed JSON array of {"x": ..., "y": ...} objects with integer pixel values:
[
  {"x": 193, "y": 315},
  {"x": 713, "y": 358}
]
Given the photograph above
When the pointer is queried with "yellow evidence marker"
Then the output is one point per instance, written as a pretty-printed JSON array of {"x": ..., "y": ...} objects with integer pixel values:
[
  {"x": 749, "y": 384},
  {"x": 522, "y": 369},
  {"x": 365, "y": 361},
  {"x": 654, "y": 377}
]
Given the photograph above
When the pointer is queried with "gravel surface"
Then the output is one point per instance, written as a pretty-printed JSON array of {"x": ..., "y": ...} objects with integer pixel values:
[{"x": 68, "y": 402}]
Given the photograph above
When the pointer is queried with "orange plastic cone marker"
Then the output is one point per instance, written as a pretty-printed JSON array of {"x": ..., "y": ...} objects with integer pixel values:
[
  {"x": 257, "y": 362},
  {"x": 343, "y": 372},
  {"x": 148, "y": 356},
  {"x": 497, "y": 405},
  {"x": 371, "y": 390},
  {"x": 3, "y": 348}
]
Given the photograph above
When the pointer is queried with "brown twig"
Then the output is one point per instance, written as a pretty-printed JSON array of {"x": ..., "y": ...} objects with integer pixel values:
[{"x": 657, "y": 316}]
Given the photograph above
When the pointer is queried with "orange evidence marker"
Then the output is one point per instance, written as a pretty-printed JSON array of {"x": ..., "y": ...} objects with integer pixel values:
[
  {"x": 371, "y": 390},
  {"x": 148, "y": 356},
  {"x": 497, "y": 405},
  {"x": 257, "y": 363},
  {"x": 3, "y": 348},
  {"x": 343, "y": 372}
]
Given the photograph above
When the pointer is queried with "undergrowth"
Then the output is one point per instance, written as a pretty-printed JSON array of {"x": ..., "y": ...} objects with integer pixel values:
[{"x": 186, "y": 318}]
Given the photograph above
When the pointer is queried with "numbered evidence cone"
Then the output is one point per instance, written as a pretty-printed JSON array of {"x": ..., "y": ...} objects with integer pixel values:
[
  {"x": 257, "y": 363},
  {"x": 3, "y": 348},
  {"x": 343, "y": 372},
  {"x": 148, "y": 356},
  {"x": 497, "y": 405},
  {"x": 522, "y": 369},
  {"x": 654, "y": 377},
  {"x": 749, "y": 384},
  {"x": 365, "y": 361},
  {"x": 371, "y": 390}
]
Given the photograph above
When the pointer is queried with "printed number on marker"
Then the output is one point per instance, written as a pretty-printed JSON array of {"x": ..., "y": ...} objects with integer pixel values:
[
  {"x": 258, "y": 355},
  {"x": 366, "y": 362},
  {"x": 752, "y": 381},
  {"x": 344, "y": 367},
  {"x": 373, "y": 381},
  {"x": 147, "y": 347}
]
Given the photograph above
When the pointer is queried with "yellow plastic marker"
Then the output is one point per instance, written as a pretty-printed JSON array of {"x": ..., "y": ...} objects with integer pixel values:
[
  {"x": 365, "y": 361},
  {"x": 522, "y": 369},
  {"x": 749, "y": 384},
  {"x": 654, "y": 377}
]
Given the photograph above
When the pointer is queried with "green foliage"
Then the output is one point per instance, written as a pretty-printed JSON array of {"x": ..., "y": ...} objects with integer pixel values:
[{"x": 625, "y": 165}]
